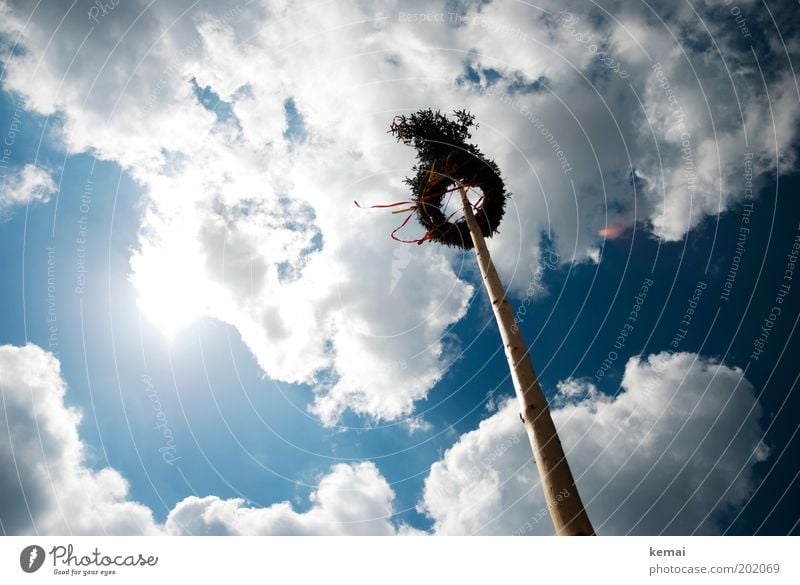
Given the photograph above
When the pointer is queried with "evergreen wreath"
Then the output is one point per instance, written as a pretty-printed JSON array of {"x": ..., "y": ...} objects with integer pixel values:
[{"x": 446, "y": 162}]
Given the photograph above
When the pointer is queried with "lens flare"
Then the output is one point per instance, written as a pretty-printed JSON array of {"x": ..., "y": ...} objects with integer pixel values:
[{"x": 611, "y": 231}]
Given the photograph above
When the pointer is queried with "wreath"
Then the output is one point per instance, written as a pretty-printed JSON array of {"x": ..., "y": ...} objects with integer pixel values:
[
  {"x": 447, "y": 163},
  {"x": 437, "y": 182}
]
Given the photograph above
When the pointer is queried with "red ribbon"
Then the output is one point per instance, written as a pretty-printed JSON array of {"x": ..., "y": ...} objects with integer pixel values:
[{"x": 431, "y": 232}]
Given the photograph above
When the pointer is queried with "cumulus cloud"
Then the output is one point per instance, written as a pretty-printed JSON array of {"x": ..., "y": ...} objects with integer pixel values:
[
  {"x": 47, "y": 487},
  {"x": 28, "y": 185},
  {"x": 351, "y": 499},
  {"x": 670, "y": 454},
  {"x": 250, "y": 221}
]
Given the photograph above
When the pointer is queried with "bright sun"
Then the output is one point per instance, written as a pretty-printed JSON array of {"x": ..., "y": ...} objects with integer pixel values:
[{"x": 170, "y": 287}]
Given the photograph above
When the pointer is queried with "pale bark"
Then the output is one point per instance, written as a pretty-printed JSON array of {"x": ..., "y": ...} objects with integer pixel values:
[{"x": 566, "y": 509}]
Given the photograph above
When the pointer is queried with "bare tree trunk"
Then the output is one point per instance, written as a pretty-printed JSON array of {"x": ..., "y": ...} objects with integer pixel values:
[{"x": 561, "y": 495}]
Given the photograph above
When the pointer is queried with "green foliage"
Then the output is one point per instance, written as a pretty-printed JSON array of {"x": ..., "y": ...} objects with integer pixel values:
[
  {"x": 431, "y": 132},
  {"x": 446, "y": 159}
]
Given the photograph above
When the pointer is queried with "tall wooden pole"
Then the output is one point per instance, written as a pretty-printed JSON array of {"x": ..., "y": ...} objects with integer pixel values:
[{"x": 565, "y": 506}]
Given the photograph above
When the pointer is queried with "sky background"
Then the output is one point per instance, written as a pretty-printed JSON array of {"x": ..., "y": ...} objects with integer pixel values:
[{"x": 201, "y": 334}]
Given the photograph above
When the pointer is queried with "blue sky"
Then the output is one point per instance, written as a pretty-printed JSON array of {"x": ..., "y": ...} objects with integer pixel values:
[{"x": 216, "y": 404}]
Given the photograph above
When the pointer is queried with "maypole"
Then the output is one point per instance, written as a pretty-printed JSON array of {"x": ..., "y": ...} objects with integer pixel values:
[
  {"x": 446, "y": 164},
  {"x": 568, "y": 514}
]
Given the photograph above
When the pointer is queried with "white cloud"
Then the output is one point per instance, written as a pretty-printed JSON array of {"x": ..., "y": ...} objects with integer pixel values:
[
  {"x": 46, "y": 486},
  {"x": 417, "y": 424},
  {"x": 670, "y": 454},
  {"x": 29, "y": 185},
  {"x": 249, "y": 225},
  {"x": 351, "y": 499}
]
